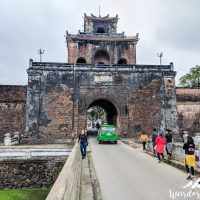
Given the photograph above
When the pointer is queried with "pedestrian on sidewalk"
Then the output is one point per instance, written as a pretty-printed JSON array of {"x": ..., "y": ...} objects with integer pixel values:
[
  {"x": 190, "y": 163},
  {"x": 144, "y": 139},
  {"x": 160, "y": 145},
  {"x": 168, "y": 136},
  {"x": 154, "y": 136},
  {"x": 83, "y": 143},
  {"x": 97, "y": 125}
]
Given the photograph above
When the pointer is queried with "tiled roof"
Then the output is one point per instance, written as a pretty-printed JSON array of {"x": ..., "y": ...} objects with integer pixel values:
[{"x": 98, "y": 38}]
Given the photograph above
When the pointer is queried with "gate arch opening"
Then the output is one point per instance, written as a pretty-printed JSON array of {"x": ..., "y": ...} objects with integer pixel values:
[
  {"x": 122, "y": 61},
  {"x": 81, "y": 60},
  {"x": 100, "y": 30},
  {"x": 101, "y": 57},
  {"x": 110, "y": 112}
]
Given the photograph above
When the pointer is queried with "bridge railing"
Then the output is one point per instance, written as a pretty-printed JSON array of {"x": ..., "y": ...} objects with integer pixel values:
[{"x": 67, "y": 185}]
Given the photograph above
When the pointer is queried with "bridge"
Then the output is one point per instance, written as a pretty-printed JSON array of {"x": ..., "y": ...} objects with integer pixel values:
[
  {"x": 101, "y": 71},
  {"x": 118, "y": 172}
]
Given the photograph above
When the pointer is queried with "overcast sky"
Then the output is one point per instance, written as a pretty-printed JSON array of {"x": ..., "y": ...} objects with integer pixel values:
[{"x": 170, "y": 26}]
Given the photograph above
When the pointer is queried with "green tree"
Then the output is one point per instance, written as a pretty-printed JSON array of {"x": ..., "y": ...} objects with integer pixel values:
[
  {"x": 191, "y": 79},
  {"x": 91, "y": 114},
  {"x": 96, "y": 113},
  {"x": 100, "y": 112}
]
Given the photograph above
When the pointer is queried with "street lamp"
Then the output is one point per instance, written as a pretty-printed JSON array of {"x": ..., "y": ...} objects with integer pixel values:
[
  {"x": 40, "y": 52},
  {"x": 160, "y": 55}
]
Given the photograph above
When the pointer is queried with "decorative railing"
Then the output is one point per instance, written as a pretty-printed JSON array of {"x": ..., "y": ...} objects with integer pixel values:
[{"x": 99, "y": 67}]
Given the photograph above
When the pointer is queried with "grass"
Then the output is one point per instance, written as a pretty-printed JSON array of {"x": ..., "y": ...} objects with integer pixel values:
[{"x": 24, "y": 194}]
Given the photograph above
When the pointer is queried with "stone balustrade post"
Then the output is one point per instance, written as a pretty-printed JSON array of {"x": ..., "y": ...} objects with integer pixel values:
[{"x": 7, "y": 139}]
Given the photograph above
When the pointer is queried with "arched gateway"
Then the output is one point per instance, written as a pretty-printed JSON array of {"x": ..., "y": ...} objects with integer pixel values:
[
  {"x": 135, "y": 97},
  {"x": 110, "y": 109}
]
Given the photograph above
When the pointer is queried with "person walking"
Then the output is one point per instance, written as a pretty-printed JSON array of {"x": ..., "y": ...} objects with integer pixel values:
[
  {"x": 154, "y": 136},
  {"x": 169, "y": 144},
  {"x": 190, "y": 163},
  {"x": 83, "y": 143},
  {"x": 144, "y": 139},
  {"x": 160, "y": 145},
  {"x": 97, "y": 125}
]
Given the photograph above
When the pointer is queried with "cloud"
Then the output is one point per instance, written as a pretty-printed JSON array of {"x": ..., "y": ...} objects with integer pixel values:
[
  {"x": 171, "y": 26},
  {"x": 180, "y": 28}
]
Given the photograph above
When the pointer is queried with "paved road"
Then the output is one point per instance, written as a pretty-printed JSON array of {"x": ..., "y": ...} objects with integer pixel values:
[{"x": 126, "y": 174}]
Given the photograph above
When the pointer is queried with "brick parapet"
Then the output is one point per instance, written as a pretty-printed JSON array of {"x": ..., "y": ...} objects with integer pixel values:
[
  {"x": 13, "y": 93},
  {"x": 187, "y": 94}
]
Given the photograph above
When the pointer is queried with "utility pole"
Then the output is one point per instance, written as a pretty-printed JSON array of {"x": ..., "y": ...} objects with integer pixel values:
[
  {"x": 160, "y": 55},
  {"x": 40, "y": 52}
]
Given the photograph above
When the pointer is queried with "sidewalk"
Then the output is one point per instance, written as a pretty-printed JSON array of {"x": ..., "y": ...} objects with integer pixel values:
[
  {"x": 177, "y": 164},
  {"x": 90, "y": 189}
]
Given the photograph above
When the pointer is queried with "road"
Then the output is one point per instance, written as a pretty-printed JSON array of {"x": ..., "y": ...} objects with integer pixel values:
[{"x": 125, "y": 173}]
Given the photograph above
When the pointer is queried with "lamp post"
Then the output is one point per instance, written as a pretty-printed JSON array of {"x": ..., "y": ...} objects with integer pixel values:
[
  {"x": 40, "y": 52},
  {"x": 160, "y": 55}
]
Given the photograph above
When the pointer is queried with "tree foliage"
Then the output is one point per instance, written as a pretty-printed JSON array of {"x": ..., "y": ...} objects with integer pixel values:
[
  {"x": 191, "y": 79},
  {"x": 96, "y": 113}
]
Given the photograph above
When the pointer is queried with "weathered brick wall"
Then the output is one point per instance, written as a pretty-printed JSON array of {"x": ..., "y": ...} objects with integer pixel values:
[
  {"x": 53, "y": 115},
  {"x": 188, "y": 94},
  {"x": 12, "y": 109},
  {"x": 188, "y": 107},
  {"x": 29, "y": 174},
  {"x": 116, "y": 51},
  {"x": 134, "y": 97},
  {"x": 72, "y": 52},
  {"x": 153, "y": 105},
  {"x": 56, "y": 114},
  {"x": 145, "y": 107}
]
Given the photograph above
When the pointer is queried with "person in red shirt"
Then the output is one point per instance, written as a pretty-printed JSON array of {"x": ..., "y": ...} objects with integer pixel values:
[{"x": 160, "y": 145}]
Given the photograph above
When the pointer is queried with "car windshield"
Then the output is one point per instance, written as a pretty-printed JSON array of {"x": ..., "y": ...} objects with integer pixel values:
[{"x": 107, "y": 128}]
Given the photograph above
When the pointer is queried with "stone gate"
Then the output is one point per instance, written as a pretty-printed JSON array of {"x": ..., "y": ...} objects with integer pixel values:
[{"x": 101, "y": 71}]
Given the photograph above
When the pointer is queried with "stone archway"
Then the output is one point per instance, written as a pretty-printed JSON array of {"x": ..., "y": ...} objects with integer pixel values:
[
  {"x": 109, "y": 108},
  {"x": 101, "y": 57},
  {"x": 100, "y": 30},
  {"x": 81, "y": 60},
  {"x": 122, "y": 61}
]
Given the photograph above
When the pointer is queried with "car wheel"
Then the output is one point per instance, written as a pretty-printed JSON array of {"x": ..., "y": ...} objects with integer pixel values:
[
  {"x": 115, "y": 142},
  {"x": 99, "y": 142}
]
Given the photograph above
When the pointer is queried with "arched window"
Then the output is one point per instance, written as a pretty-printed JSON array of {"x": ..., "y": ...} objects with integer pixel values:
[
  {"x": 100, "y": 30},
  {"x": 101, "y": 57},
  {"x": 81, "y": 60},
  {"x": 122, "y": 61}
]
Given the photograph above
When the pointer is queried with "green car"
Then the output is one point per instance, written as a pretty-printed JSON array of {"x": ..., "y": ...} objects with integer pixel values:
[{"x": 107, "y": 133}]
